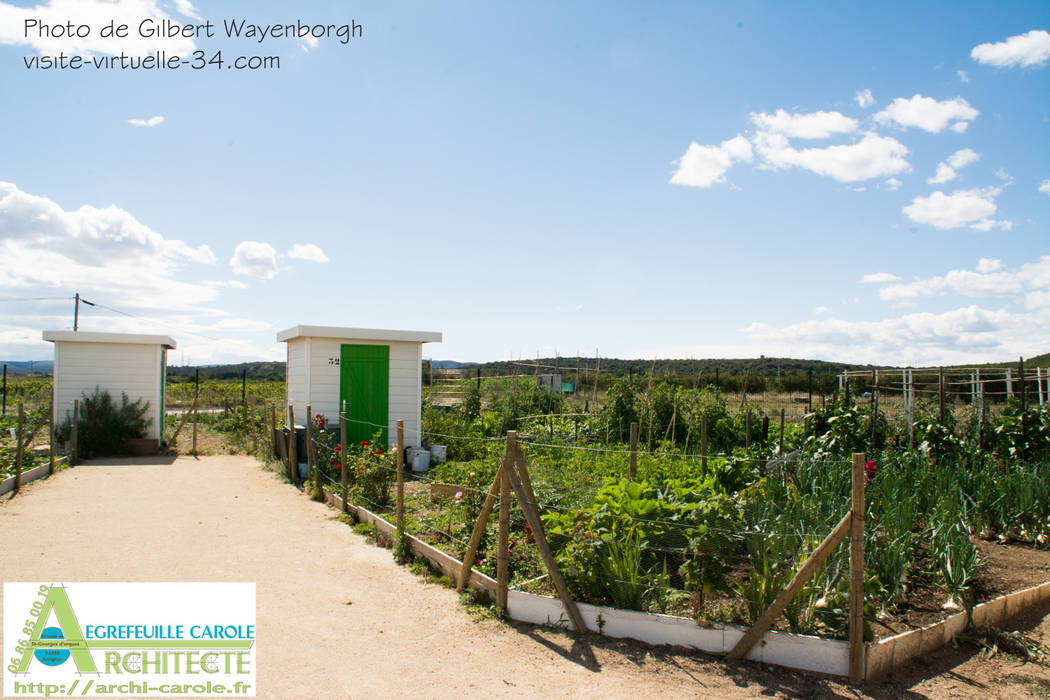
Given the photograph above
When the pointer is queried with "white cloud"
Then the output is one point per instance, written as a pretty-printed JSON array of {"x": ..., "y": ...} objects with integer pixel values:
[
  {"x": 961, "y": 207},
  {"x": 986, "y": 265},
  {"x": 813, "y": 125},
  {"x": 928, "y": 114},
  {"x": 990, "y": 279},
  {"x": 966, "y": 334},
  {"x": 96, "y": 14},
  {"x": 185, "y": 7},
  {"x": 962, "y": 158},
  {"x": 1025, "y": 50},
  {"x": 245, "y": 325},
  {"x": 879, "y": 278},
  {"x": 871, "y": 157},
  {"x": 703, "y": 166},
  {"x": 1044, "y": 186},
  {"x": 949, "y": 169},
  {"x": 43, "y": 245},
  {"x": 118, "y": 262},
  {"x": 235, "y": 284},
  {"x": 893, "y": 184},
  {"x": 152, "y": 121},
  {"x": 822, "y": 310},
  {"x": 945, "y": 173},
  {"x": 864, "y": 97},
  {"x": 254, "y": 259},
  {"x": 963, "y": 76},
  {"x": 307, "y": 251}
]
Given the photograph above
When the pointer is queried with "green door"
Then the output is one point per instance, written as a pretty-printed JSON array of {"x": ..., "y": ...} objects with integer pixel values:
[{"x": 364, "y": 386}]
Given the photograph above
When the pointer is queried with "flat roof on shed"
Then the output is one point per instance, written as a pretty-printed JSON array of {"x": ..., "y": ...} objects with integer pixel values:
[
  {"x": 357, "y": 334},
  {"x": 130, "y": 338}
]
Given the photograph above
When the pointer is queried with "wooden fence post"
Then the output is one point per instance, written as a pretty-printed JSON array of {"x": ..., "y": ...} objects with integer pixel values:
[
  {"x": 703, "y": 444},
  {"x": 73, "y": 433},
  {"x": 293, "y": 459},
  {"x": 856, "y": 571},
  {"x": 940, "y": 392},
  {"x": 195, "y": 412},
  {"x": 251, "y": 425},
  {"x": 313, "y": 467},
  {"x": 51, "y": 438},
  {"x": 634, "y": 450},
  {"x": 780, "y": 448},
  {"x": 401, "y": 476},
  {"x": 273, "y": 427},
  {"x": 502, "y": 565},
  {"x": 910, "y": 403},
  {"x": 18, "y": 447},
  {"x": 874, "y": 407},
  {"x": 343, "y": 477},
  {"x": 309, "y": 442},
  {"x": 765, "y": 430},
  {"x": 1024, "y": 403}
]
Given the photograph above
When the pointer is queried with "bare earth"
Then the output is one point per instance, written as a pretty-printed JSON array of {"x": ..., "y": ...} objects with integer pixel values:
[{"x": 338, "y": 618}]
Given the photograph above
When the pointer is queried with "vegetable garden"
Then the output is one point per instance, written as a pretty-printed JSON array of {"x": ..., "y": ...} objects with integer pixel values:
[{"x": 716, "y": 534}]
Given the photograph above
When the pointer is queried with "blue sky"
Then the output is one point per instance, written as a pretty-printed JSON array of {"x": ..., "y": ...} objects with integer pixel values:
[{"x": 859, "y": 182}]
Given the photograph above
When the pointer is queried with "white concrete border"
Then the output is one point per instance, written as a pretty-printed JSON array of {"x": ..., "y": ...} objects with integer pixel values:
[
  {"x": 37, "y": 472},
  {"x": 781, "y": 648}
]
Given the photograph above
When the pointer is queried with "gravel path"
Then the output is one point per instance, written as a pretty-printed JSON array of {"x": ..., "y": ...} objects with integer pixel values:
[{"x": 336, "y": 616}]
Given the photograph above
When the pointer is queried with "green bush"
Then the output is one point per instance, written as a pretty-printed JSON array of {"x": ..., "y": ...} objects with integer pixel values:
[{"x": 103, "y": 428}]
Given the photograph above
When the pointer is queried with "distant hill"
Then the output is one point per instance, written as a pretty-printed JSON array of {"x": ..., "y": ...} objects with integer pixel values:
[
  {"x": 451, "y": 364},
  {"x": 29, "y": 367},
  {"x": 685, "y": 371},
  {"x": 1029, "y": 362},
  {"x": 258, "y": 371},
  {"x": 762, "y": 366}
]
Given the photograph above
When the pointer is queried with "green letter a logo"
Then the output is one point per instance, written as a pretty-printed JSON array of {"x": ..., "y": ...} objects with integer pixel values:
[{"x": 73, "y": 636}]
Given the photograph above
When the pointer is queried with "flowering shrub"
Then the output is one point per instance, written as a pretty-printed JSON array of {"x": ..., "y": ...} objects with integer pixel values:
[{"x": 372, "y": 471}]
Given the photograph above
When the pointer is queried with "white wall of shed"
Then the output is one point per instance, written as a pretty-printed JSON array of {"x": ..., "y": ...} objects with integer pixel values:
[
  {"x": 320, "y": 380},
  {"x": 114, "y": 367}
]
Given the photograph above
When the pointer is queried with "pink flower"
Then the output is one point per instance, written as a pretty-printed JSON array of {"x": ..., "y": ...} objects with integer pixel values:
[{"x": 459, "y": 495}]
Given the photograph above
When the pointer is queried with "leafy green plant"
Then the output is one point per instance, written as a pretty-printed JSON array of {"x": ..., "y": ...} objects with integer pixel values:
[{"x": 103, "y": 427}]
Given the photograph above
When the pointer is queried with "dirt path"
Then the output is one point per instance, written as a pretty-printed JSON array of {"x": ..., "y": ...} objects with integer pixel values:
[{"x": 338, "y": 618}]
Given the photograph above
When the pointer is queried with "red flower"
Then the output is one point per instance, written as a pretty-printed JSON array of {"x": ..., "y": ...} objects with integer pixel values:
[
  {"x": 870, "y": 470},
  {"x": 364, "y": 443},
  {"x": 337, "y": 448}
]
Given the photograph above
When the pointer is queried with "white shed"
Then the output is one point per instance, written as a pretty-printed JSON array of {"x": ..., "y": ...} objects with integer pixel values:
[
  {"x": 377, "y": 372},
  {"x": 115, "y": 362}
]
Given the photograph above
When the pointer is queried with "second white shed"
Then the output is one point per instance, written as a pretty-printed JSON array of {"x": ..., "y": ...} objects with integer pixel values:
[
  {"x": 120, "y": 363},
  {"x": 378, "y": 373}
]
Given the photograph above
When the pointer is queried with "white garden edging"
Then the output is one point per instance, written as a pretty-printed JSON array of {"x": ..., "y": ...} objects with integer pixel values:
[
  {"x": 28, "y": 475},
  {"x": 781, "y": 648}
]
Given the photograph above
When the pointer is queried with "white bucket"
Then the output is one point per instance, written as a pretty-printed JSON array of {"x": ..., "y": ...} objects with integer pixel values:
[
  {"x": 438, "y": 454},
  {"x": 417, "y": 459}
]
